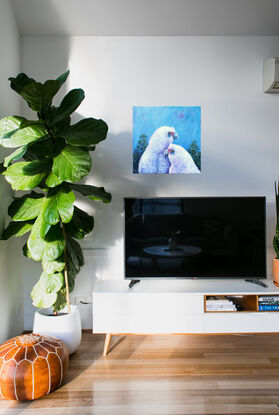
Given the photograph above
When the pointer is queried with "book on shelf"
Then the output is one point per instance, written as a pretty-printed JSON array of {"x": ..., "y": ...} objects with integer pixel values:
[
  {"x": 231, "y": 308},
  {"x": 218, "y": 310},
  {"x": 269, "y": 300},
  {"x": 218, "y": 299},
  {"x": 265, "y": 307},
  {"x": 229, "y": 305},
  {"x": 219, "y": 303}
]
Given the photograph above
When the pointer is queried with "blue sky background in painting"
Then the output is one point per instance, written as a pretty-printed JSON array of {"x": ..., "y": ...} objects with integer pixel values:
[{"x": 185, "y": 120}]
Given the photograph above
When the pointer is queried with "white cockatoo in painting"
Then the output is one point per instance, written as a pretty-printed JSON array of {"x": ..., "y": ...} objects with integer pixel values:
[
  {"x": 154, "y": 158},
  {"x": 180, "y": 160}
]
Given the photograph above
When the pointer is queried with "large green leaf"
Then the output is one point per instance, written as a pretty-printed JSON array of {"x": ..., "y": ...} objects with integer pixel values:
[
  {"x": 51, "y": 282},
  {"x": 61, "y": 126},
  {"x": 54, "y": 244},
  {"x": 39, "y": 230},
  {"x": 43, "y": 148},
  {"x": 21, "y": 80},
  {"x": 44, "y": 293},
  {"x": 25, "y": 136},
  {"x": 71, "y": 279},
  {"x": 47, "y": 147},
  {"x": 52, "y": 180},
  {"x": 61, "y": 301},
  {"x": 75, "y": 260},
  {"x": 74, "y": 254},
  {"x": 26, "y": 208},
  {"x": 59, "y": 204},
  {"x": 42, "y": 299},
  {"x": 53, "y": 266},
  {"x": 48, "y": 247},
  {"x": 8, "y": 126},
  {"x": 16, "y": 229},
  {"x": 86, "y": 132},
  {"x": 26, "y": 175},
  {"x": 58, "y": 126},
  {"x": 68, "y": 105},
  {"x": 30, "y": 157},
  {"x": 16, "y": 155},
  {"x": 38, "y": 96},
  {"x": 36, "y": 244},
  {"x": 25, "y": 250},
  {"x": 62, "y": 78},
  {"x": 92, "y": 192},
  {"x": 72, "y": 164},
  {"x": 81, "y": 224}
]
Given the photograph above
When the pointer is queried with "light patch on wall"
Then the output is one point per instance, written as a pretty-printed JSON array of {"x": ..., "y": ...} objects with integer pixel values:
[{"x": 166, "y": 140}]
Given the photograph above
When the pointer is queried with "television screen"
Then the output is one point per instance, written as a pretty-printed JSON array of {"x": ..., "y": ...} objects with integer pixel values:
[{"x": 195, "y": 237}]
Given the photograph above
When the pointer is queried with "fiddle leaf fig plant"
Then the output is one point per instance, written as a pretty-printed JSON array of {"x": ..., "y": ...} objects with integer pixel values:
[{"x": 49, "y": 157}]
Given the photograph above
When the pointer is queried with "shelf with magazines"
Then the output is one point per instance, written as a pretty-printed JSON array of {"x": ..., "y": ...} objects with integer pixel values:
[
  {"x": 230, "y": 303},
  {"x": 268, "y": 303},
  {"x": 240, "y": 303}
]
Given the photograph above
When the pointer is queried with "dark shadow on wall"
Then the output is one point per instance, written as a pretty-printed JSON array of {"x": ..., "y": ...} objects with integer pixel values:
[{"x": 112, "y": 168}]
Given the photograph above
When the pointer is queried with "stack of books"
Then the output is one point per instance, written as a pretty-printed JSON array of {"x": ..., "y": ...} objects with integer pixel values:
[
  {"x": 219, "y": 303},
  {"x": 269, "y": 302}
]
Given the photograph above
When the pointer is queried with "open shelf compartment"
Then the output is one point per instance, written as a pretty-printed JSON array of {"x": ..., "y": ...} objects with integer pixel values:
[{"x": 244, "y": 303}]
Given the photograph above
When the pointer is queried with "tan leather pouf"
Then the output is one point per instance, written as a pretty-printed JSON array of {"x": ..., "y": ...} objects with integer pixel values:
[{"x": 31, "y": 366}]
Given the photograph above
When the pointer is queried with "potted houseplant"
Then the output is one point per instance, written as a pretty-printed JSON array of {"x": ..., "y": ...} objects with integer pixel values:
[
  {"x": 50, "y": 156},
  {"x": 275, "y": 265}
]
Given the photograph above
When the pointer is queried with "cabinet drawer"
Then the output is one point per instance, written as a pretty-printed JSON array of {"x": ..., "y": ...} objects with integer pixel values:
[
  {"x": 241, "y": 322},
  {"x": 167, "y": 303},
  {"x": 111, "y": 303},
  {"x": 150, "y": 303}
]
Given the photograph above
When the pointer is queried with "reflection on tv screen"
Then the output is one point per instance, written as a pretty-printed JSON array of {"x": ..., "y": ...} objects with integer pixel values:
[{"x": 222, "y": 237}]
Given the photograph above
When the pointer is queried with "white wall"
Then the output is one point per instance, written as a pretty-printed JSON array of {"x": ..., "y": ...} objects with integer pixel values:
[
  {"x": 11, "y": 300},
  {"x": 240, "y": 143}
]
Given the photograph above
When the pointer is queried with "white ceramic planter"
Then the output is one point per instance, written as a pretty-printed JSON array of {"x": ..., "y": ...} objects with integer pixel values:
[{"x": 66, "y": 327}]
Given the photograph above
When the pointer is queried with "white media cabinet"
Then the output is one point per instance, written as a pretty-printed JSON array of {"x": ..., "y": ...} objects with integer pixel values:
[{"x": 178, "y": 307}]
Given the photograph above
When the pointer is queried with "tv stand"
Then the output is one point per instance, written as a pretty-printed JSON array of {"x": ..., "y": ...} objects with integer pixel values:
[
  {"x": 179, "y": 307},
  {"x": 133, "y": 282},
  {"x": 257, "y": 282}
]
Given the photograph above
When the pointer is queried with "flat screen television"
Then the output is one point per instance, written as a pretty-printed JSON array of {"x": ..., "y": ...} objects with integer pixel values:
[{"x": 195, "y": 237}]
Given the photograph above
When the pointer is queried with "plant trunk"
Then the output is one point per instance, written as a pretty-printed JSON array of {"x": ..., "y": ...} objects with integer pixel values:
[{"x": 66, "y": 271}]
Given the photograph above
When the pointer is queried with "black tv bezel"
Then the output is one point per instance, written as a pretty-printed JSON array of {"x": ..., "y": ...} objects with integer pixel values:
[{"x": 139, "y": 278}]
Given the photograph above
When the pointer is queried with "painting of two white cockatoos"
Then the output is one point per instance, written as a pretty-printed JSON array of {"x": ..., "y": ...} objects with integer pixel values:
[
  {"x": 162, "y": 156},
  {"x": 166, "y": 140}
]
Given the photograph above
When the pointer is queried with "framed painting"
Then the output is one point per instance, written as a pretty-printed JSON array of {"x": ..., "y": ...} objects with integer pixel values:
[{"x": 166, "y": 140}]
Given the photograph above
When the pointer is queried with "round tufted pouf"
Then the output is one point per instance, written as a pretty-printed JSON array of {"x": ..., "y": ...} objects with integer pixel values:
[{"x": 31, "y": 366}]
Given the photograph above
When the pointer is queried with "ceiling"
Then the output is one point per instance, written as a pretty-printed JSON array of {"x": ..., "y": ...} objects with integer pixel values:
[{"x": 147, "y": 17}]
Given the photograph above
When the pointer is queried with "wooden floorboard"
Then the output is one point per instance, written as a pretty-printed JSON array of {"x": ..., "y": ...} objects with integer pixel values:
[{"x": 166, "y": 375}]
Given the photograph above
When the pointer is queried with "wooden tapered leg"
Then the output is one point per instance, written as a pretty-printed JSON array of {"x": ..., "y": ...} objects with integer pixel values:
[{"x": 106, "y": 345}]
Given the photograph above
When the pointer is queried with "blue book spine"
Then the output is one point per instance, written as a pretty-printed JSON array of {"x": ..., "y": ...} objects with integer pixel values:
[{"x": 264, "y": 307}]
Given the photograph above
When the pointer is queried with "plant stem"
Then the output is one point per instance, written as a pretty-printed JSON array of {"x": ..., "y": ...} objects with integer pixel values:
[
  {"x": 51, "y": 135},
  {"x": 66, "y": 271}
]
